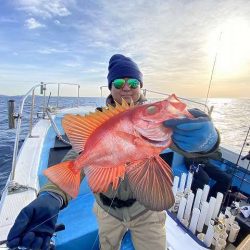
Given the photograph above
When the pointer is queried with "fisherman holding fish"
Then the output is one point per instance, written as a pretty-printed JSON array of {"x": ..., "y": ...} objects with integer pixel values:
[{"x": 118, "y": 149}]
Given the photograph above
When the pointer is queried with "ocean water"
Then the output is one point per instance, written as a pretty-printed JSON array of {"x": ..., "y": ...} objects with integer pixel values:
[{"x": 230, "y": 116}]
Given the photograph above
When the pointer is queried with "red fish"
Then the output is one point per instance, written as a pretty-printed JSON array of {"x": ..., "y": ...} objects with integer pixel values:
[{"x": 122, "y": 140}]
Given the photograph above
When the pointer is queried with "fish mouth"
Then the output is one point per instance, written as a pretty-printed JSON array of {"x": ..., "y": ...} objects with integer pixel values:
[
  {"x": 151, "y": 123},
  {"x": 154, "y": 142}
]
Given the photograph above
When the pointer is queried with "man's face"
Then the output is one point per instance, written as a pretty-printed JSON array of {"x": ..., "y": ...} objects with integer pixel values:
[{"x": 127, "y": 92}]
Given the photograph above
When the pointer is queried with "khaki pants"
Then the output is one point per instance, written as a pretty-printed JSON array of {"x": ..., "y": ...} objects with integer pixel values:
[{"x": 147, "y": 231}]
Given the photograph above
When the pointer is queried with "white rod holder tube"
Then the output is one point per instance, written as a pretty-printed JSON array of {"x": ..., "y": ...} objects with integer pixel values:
[
  {"x": 183, "y": 182},
  {"x": 202, "y": 217},
  {"x": 177, "y": 202},
  {"x": 218, "y": 202},
  {"x": 205, "y": 193},
  {"x": 234, "y": 230},
  {"x": 189, "y": 181},
  {"x": 181, "y": 208},
  {"x": 197, "y": 198},
  {"x": 220, "y": 244},
  {"x": 190, "y": 200},
  {"x": 175, "y": 185},
  {"x": 210, "y": 210},
  {"x": 209, "y": 235},
  {"x": 194, "y": 220}
]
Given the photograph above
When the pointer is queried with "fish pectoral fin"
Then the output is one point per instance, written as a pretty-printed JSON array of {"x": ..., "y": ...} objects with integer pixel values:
[
  {"x": 100, "y": 178},
  {"x": 65, "y": 176},
  {"x": 151, "y": 183}
]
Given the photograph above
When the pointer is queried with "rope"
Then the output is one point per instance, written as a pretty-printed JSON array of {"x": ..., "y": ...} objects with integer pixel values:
[{"x": 14, "y": 187}]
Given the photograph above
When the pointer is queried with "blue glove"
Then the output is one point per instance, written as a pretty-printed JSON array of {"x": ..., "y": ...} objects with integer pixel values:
[
  {"x": 193, "y": 135},
  {"x": 35, "y": 224}
]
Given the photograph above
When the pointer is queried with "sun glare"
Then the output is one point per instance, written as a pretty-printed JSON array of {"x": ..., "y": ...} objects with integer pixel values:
[{"x": 232, "y": 46}]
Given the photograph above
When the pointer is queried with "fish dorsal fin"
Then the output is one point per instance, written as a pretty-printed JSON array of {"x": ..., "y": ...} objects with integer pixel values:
[{"x": 79, "y": 127}]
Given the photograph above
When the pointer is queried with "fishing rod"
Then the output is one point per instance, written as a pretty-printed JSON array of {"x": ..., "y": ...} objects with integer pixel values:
[
  {"x": 58, "y": 228},
  {"x": 212, "y": 73},
  {"x": 236, "y": 165},
  {"x": 243, "y": 158},
  {"x": 244, "y": 143}
]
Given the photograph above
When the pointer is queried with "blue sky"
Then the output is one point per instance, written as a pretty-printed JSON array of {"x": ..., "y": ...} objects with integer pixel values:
[{"x": 173, "y": 42}]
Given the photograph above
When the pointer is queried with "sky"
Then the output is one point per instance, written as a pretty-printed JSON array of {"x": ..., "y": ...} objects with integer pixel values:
[{"x": 175, "y": 43}]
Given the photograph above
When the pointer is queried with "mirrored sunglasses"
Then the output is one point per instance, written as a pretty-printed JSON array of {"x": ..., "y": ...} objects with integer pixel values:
[{"x": 132, "y": 83}]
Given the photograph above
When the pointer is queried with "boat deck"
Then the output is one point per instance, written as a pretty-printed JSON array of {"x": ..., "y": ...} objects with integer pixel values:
[{"x": 81, "y": 229}]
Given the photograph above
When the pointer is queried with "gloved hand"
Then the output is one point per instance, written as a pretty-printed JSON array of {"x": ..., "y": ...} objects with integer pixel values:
[
  {"x": 193, "y": 135},
  {"x": 35, "y": 224}
]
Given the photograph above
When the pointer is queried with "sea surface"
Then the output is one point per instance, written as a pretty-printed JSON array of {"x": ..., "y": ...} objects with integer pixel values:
[{"x": 230, "y": 116}]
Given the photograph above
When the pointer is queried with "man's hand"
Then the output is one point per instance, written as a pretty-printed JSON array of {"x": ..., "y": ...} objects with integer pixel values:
[
  {"x": 196, "y": 134},
  {"x": 35, "y": 224}
]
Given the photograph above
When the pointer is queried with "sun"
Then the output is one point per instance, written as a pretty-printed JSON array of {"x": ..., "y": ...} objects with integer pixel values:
[{"x": 231, "y": 43}]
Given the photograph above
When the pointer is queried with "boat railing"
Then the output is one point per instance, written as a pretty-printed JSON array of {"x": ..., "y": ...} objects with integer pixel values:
[
  {"x": 207, "y": 109},
  {"x": 15, "y": 119}
]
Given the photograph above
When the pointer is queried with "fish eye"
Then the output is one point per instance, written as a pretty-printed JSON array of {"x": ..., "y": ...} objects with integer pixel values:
[{"x": 151, "y": 110}]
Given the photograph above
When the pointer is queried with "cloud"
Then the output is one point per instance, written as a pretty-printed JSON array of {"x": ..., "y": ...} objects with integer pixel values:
[
  {"x": 32, "y": 23},
  {"x": 57, "y": 22},
  {"x": 49, "y": 51},
  {"x": 173, "y": 42},
  {"x": 72, "y": 64},
  {"x": 166, "y": 38},
  {"x": 45, "y": 8},
  {"x": 7, "y": 20}
]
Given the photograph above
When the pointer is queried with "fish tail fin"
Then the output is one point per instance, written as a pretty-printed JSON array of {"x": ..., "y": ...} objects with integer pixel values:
[
  {"x": 151, "y": 182},
  {"x": 65, "y": 176}
]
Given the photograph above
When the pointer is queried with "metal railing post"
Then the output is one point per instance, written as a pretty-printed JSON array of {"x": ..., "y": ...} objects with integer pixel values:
[
  {"x": 11, "y": 111},
  {"x": 78, "y": 95},
  {"x": 15, "y": 151},
  {"x": 18, "y": 116},
  {"x": 44, "y": 99},
  {"x": 101, "y": 87},
  {"x": 41, "y": 88},
  {"x": 210, "y": 111},
  {"x": 58, "y": 94},
  {"x": 32, "y": 112},
  {"x": 101, "y": 90}
]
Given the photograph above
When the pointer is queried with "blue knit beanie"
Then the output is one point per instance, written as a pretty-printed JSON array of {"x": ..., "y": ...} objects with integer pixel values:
[{"x": 121, "y": 66}]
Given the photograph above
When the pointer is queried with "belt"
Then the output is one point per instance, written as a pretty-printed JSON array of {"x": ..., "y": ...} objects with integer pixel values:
[{"x": 115, "y": 202}]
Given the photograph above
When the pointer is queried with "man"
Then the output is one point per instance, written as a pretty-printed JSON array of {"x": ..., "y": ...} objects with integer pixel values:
[{"x": 116, "y": 212}]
